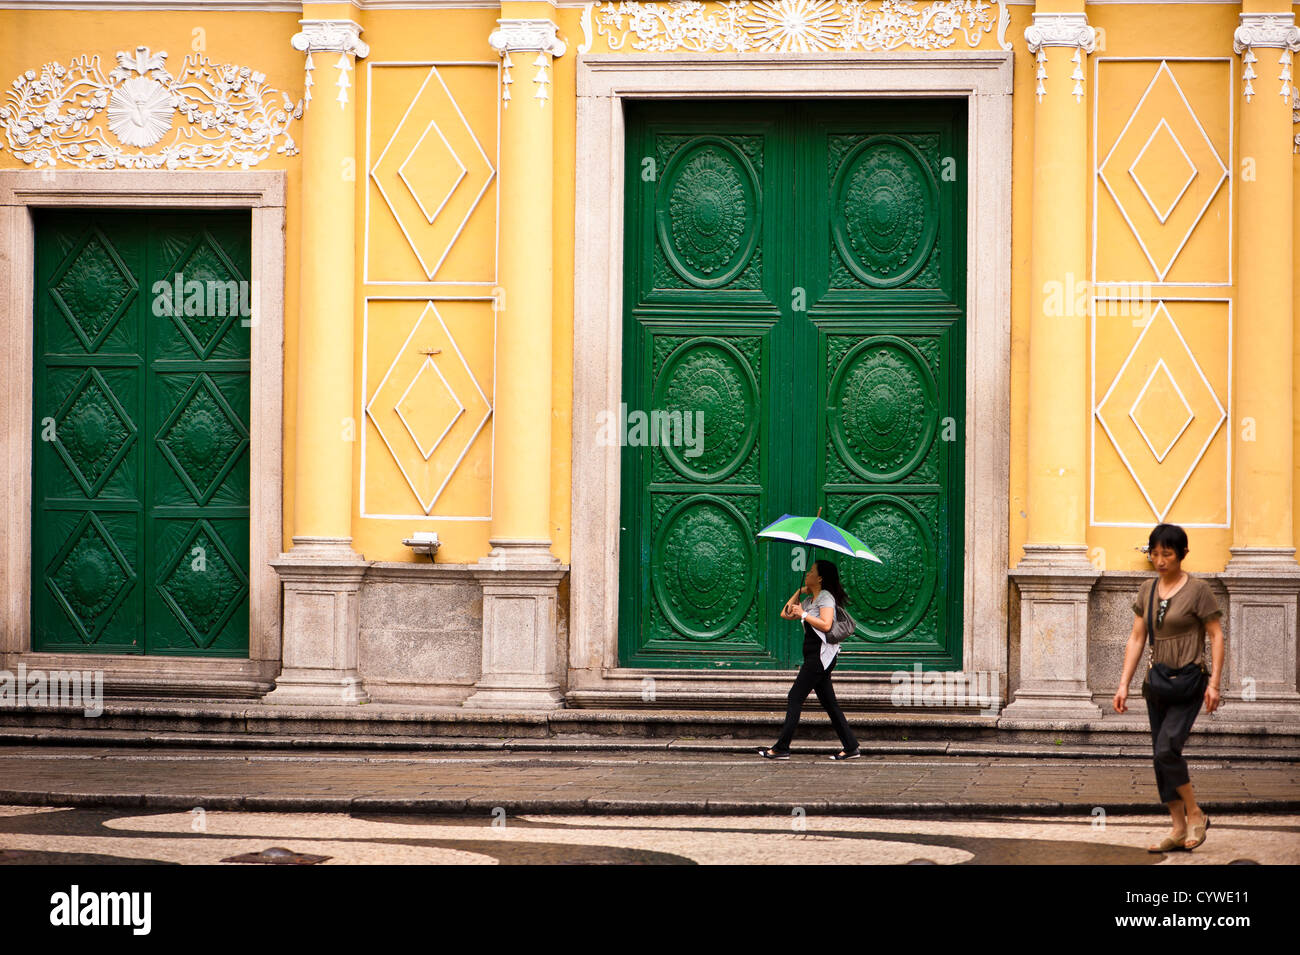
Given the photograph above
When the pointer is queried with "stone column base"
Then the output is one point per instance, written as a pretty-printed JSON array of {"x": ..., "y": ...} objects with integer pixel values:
[
  {"x": 322, "y": 587},
  {"x": 521, "y": 668},
  {"x": 1263, "y": 585},
  {"x": 1055, "y": 581}
]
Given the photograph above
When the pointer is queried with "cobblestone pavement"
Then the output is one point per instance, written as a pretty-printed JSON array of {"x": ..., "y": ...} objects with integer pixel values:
[
  {"x": 47, "y": 835},
  {"x": 630, "y": 783}
]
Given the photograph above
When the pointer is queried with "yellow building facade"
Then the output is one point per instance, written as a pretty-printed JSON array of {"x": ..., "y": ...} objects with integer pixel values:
[{"x": 437, "y": 210}]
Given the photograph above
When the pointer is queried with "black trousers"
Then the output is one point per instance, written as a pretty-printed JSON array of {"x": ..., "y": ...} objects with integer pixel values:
[
  {"x": 813, "y": 677},
  {"x": 1171, "y": 724}
]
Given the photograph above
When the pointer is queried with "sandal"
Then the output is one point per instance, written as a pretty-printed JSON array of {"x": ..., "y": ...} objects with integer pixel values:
[
  {"x": 774, "y": 754},
  {"x": 1197, "y": 835},
  {"x": 1168, "y": 844}
]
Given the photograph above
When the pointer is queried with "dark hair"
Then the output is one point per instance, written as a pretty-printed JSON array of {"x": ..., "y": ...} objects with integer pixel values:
[
  {"x": 830, "y": 575},
  {"x": 1168, "y": 535}
]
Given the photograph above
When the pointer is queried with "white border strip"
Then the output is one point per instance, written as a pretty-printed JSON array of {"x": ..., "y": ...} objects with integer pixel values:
[
  {"x": 1225, "y": 174},
  {"x": 1094, "y": 417},
  {"x": 492, "y": 178},
  {"x": 491, "y": 400}
]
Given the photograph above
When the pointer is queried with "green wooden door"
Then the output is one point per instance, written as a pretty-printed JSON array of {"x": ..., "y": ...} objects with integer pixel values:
[
  {"x": 140, "y": 499},
  {"x": 794, "y": 283}
]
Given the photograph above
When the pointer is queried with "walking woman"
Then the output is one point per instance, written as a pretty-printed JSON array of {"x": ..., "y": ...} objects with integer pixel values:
[
  {"x": 1183, "y": 610},
  {"x": 817, "y": 611}
]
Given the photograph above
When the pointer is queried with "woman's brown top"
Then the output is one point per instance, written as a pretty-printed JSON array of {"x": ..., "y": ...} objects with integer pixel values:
[{"x": 1180, "y": 637}]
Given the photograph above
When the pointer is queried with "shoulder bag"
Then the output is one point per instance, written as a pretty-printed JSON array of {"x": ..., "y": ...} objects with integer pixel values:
[{"x": 842, "y": 626}]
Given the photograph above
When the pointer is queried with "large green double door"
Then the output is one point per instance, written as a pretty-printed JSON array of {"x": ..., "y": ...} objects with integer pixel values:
[
  {"x": 140, "y": 490},
  {"x": 793, "y": 338}
]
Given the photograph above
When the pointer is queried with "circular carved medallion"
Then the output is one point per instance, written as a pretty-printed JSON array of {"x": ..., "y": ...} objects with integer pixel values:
[
  {"x": 707, "y": 212},
  {"x": 895, "y": 594},
  {"x": 709, "y": 379},
  {"x": 703, "y": 567},
  {"x": 886, "y": 213},
  {"x": 883, "y": 408}
]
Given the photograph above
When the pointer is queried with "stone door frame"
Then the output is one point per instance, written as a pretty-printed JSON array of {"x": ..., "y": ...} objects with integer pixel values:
[
  {"x": 21, "y": 191},
  {"x": 984, "y": 80}
]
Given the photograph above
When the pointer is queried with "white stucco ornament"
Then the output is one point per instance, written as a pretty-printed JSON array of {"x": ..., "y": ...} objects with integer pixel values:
[
  {"x": 1259, "y": 31},
  {"x": 208, "y": 114},
  {"x": 1069, "y": 30},
  {"x": 1295, "y": 115},
  {"x": 792, "y": 26},
  {"x": 527, "y": 35},
  {"x": 330, "y": 36},
  {"x": 140, "y": 112}
]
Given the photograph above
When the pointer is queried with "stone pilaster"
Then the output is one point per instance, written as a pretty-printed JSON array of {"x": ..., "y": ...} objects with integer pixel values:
[
  {"x": 1055, "y": 575},
  {"x": 1054, "y": 584},
  {"x": 322, "y": 594},
  {"x": 521, "y": 651},
  {"x": 520, "y": 577},
  {"x": 321, "y": 573}
]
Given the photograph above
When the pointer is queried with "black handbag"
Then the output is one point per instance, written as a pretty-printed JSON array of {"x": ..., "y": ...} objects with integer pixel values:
[{"x": 1183, "y": 685}]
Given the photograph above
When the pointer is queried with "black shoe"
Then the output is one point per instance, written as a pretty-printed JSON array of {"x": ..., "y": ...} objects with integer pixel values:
[
  {"x": 774, "y": 754},
  {"x": 856, "y": 754}
]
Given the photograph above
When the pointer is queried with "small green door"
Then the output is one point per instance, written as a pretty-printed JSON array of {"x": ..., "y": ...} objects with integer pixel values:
[
  {"x": 795, "y": 286},
  {"x": 140, "y": 491}
]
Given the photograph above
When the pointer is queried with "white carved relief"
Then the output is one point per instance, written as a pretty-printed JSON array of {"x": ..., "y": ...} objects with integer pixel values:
[
  {"x": 1060, "y": 29},
  {"x": 792, "y": 26},
  {"x": 57, "y": 115},
  {"x": 1266, "y": 31},
  {"x": 330, "y": 36},
  {"x": 527, "y": 36},
  {"x": 1295, "y": 115}
]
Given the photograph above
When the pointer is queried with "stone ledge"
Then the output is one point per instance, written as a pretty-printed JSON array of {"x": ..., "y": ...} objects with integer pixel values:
[{"x": 604, "y": 805}]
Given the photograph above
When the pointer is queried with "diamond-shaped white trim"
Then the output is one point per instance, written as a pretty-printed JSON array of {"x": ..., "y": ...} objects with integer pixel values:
[
  {"x": 487, "y": 180},
  {"x": 401, "y": 172},
  {"x": 1160, "y": 271},
  {"x": 1132, "y": 412},
  {"x": 1132, "y": 171},
  {"x": 1155, "y": 509},
  {"x": 427, "y": 506},
  {"x": 429, "y": 363}
]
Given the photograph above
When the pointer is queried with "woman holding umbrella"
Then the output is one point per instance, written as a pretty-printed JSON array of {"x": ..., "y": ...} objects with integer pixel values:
[{"x": 817, "y": 612}]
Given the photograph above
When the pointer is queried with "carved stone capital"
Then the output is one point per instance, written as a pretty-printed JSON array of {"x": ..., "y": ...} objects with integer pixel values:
[
  {"x": 1060, "y": 29},
  {"x": 1260, "y": 31},
  {"x": 1276, "y": 30},
  {"x": 527, "y": 36},
  {"x": 330, "y": 36}
]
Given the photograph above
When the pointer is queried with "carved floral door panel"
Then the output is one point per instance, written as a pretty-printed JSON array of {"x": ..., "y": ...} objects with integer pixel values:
[
  {"x": 141, "y": 452},
  {"x": 793, "y": 281},
  {"x": 706, "y": 338},
  {"x": 885, "y": 257}
]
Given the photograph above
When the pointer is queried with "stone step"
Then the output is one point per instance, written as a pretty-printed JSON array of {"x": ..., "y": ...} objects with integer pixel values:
[
  {"x": 388, "y": 726},
  {"x": 70, "y": 738}
]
